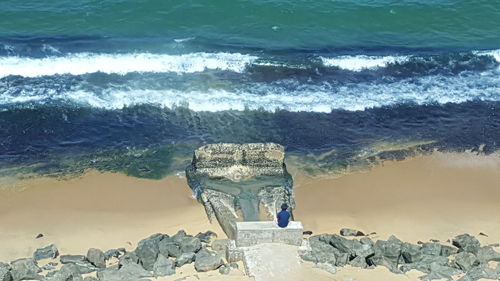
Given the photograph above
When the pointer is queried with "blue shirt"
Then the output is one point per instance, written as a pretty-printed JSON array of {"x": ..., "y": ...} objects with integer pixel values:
[{"x": 283, "y": 218}]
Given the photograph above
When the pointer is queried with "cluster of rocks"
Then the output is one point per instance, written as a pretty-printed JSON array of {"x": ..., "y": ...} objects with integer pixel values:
[
  {"x": 156, "y": 256},
  {"x": 465, "y": 256}
]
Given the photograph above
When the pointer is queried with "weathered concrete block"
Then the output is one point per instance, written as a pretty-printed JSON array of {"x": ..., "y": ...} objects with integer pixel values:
[{"x": 252, "y": 233}]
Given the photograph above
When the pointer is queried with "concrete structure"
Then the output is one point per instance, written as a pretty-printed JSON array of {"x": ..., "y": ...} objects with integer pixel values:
[{"x": 251, "y": 233}]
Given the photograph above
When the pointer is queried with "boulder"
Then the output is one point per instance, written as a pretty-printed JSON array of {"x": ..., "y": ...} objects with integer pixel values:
[
  {"x": 440, "y": 272},
  {"x": 25, "y": 269},
  {"x": 487, "y": 254},
  {"x": 127, "y": 258},
  {"x": 181, "y": 234},
  {"x": 378, "y": 260},
  {"x": 90, "y": 278},
  {"x": 153, "y": 239},
  {"x": 465, "y": 261},
  {"x": 134, "y": 270},
  {"x": 206, "y": 260},
  {"x": 480, "y": 272},
  {"x": 169, "y": 248},
  {"x": 321, "y": 252},
  {"x": 447, "y": 251},
  {"x": 112, "y": 253},
  {"x": 340, "y": 243},
  {"x": 5, "y": 272},
  {"x": 96, "y": 257},
  {"x": 147, "y": 252},
  {"x": 358, "y": 262},
  {"x": 184, "y": 258},
  {"x": 46, "y": 253},
  {"x": 84, "y": 266},
  {"x": 68, "y": 272},
  {"x": 411, "y": 253},
  {"x": 362, "y": 250},
  {"x": 163, "y": 266},
  {"x": 433, "y": 249},
  {"x": 189, "y": 244},
  {"x": 467, "y": 243},
  {"x": 206, "y": 237},
  {"x": 351, "y": 232},
  {"x": 129, "y": 272},
  {"x": 224, "y": 269}
]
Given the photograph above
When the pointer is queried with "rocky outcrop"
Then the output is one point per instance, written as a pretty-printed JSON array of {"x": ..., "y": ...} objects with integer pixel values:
[
  {"x": 96, "y": 257},
  {"x": 232, "y": 181},
  {"x": 437, "y": 261},
  {"x": 25, "y": 269},
  {"x": 49, "y": 252},
  {"x": 5, "y": 274}
]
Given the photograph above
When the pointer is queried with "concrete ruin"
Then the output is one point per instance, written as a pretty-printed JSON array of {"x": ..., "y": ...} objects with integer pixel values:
[{"x": 240, "y": 182}]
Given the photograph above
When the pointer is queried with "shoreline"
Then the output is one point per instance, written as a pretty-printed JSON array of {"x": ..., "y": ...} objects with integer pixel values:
[{"x": 425, "y": 197}]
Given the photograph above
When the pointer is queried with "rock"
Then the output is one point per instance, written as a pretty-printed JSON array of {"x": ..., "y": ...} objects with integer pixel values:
[
  {"x": 39, "y": 235},
  {"x": 134, "y": 270},
  {"x": 433, "y": 249},
  {"x": 480, "y": 272},
  {"x": 127, "y": 258},
  {"x": 90, "y": 278},
  {"x": 46, "y": 253},
  {"x": 321, "y": 252},
  {"x": 84, "y": 266},
  {"x": 72, "y": 259},
  {"x": 189, "y": 244},
  {"x": 307, "y": 232},
  {"x": 366, "y": 241},
  {"x": 181, "y": 234},
  {"x": 147, "y": 252},
  {"x": 206, "y": 237},
  {"x": 358, "y": 262},
  {"x": 153, "y": 239},
  {"x": 5, "y": 272},
  {"x": 112, "y": 253},
  {"x": 327, "y": 267},
  {"x": 465, "y": 261},
  {"x": 206, "y": 261},
  {"x": 68, "y": 272},
  {"x": 49, "y": 266},
  {"x": 128, "y": 272},
  {"x": 387, "y": 253},
  {"x": 220, "y": 244},
  {"x": 184, "y": 258},
  {"x": 224, "y": 269},
  {"x": 163, "y": 266},
  {"x": 362, "y": 250},
  {"x": 383, "y": 261},
  {"x": 466, "y": 243},
  {"x": 96, "y": 257},
  {"x": 25, "y": 269},
  {"x": 447, "y": 251},
  {"x": 487, "y": 254},
  {"x": 169, "y": 248},
  {"x": 351, "y": 232},
  {"x": 340, "y": 243},
  {"x": 234, "y": 265},
  {"x": 411, "y": 253},
  {"x": 439, "y": 272}
]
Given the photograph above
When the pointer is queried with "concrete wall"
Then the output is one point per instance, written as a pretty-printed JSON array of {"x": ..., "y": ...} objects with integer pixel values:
[{"x": 256, "y": 232}]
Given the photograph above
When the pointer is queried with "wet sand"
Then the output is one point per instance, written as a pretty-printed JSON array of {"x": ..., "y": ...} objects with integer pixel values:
[{"x": 427, "y": 197}]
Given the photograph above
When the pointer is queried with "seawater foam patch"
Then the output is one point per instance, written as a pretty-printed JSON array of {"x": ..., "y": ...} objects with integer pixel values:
[
  {"x": 360, "y": 62},
  {"x": 318, "y": 98},
  {"x": 494, "y": 53},
  {"x": 81, "y": 63}
]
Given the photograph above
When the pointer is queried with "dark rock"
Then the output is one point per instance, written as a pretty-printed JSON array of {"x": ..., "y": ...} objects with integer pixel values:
[
  {"x": 362, "y": 250},
  {"x": 169, "y": 248},
  {"x": 321, "y": 252},
  {"x": 390, "y": 250},
  {"x": 25, "y": 269},
  {"x": 480, "y": 272},
  {"x": 307, "y": 232},
  {"x": 189, "y": 244},
  {"x": 153, "y": 239},
  {"x": 179, "y": 236},
  {"x": 39, "y": 235},
  {"x": 163, "y": 266},
  {"x": 206, "y": 260},
  {"x": 433, "y": 249},
  {"x": 112, "y": 253},
  {"x": 340, "y": 243},
  {"x": 439, "y": 272},
  {"x": 127, "y": 258},
  {"x": 5, "y": 272},
  {"x": 72, "y": 259},
  {"x": 184, "y": 258},
  {"x": 411, "y": 253},
  {"x": 379, "y": 260},
  {"x": 234, "y": 265},
  {"x": 466, "y": 243},
  {"x": 351, "y": 232},
  {"x": 46, "y": 253},
  {"x": 128, "y": 272},
  {"x": 96, "y": 257},
  {"x": 434, "y": 240},
  {"x": 487, "y": 254},
  {"x": 224, "y": 269},
  {"x": 68, "y": 272},
  {"x": 147, "y": 252},
  {"x": 465, "y": 261},
  {"x": 366, "y": 241},
  {"x": 482, "y": 234},
  {"x": 49, "y": 266},
  {"x": 447, "y": 251},
  {"x": 424, "y": 263},
  {"x": 134, "y": 270},
  {"x": 206, "y": 237},
  {"x": 358, "y": 262}
]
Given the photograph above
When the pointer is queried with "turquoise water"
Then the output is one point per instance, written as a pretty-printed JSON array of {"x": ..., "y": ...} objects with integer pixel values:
[{"x": 265, "y": 24}]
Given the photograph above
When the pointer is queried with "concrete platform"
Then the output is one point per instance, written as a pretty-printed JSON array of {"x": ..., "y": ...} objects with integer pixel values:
[{"x": 257, "y": 232}]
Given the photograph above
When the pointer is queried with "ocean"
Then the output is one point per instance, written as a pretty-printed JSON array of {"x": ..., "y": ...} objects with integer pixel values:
[{"x": 135, "y": 87}]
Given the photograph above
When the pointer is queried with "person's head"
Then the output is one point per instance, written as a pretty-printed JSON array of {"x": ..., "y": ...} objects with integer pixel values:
[{"x": 284, "y": 206}]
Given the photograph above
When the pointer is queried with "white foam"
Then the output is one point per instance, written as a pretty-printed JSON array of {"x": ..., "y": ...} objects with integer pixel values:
[
  {"x": 360, "y": 62},
  {"x": 494, "y": 53},
  {"x": 82, "y": 63}
]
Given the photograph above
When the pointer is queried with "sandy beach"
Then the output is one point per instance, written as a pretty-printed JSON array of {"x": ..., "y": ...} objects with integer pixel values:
[{"x": 428, "y": 197}]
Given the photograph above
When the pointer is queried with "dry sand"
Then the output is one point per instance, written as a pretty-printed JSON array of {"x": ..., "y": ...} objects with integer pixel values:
[{"x": 428, "y": 197}]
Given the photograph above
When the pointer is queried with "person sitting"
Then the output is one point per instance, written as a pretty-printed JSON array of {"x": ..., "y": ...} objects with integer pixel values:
[{"x": 283, "y": 216}]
